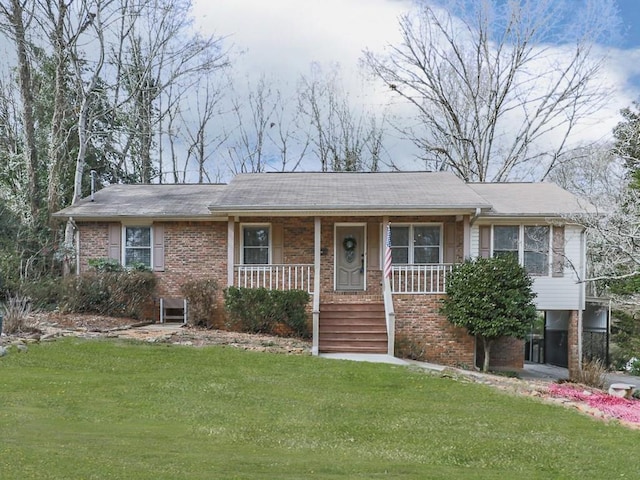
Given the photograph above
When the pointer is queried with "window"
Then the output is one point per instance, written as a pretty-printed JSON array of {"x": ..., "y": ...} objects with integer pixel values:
[
  {"x": 536, "y": 250},
  {"x": 255, "y": 245},
  {"x": 529, "y": 244},
  {"x": 137, "y": 246},
  {"x": 505, "y": 241},
  {"x": 416, "y": 244}
]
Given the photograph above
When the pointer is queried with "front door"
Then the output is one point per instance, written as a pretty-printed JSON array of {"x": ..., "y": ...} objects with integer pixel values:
[{"x": 350, "y": 248}]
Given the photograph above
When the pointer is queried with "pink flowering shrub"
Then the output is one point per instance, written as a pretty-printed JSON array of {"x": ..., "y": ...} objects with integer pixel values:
[{"x": 620, "y": 408}]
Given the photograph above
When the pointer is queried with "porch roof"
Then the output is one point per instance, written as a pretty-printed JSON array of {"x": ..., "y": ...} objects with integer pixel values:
[
  {"x": 543, "y": 199},
  {"x": 166, "y": 201},
  {"x": 327, "y": 193}
]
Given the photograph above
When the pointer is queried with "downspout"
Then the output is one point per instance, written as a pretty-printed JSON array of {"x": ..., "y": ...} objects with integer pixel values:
[{"x": 475, "y": 216}]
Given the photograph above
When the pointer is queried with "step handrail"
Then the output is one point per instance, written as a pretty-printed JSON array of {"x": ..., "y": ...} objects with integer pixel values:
[{"x": 389, "y": 315}]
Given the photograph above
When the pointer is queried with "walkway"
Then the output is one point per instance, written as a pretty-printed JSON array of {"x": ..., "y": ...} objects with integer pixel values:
[{"x": 531, "y": 371}]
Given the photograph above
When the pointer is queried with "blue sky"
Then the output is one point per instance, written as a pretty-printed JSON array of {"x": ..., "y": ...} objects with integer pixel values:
[{"x": 630, "y": 13}]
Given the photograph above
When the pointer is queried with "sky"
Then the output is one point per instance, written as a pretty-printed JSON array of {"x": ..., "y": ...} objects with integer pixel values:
[{"x": 281, "y": 38}]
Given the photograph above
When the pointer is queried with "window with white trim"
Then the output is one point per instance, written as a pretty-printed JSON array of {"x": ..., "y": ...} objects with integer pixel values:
[
  {"x": 137, "y": 246},
  {"x": 416, "y": 244},
  {"x": 255, "y": 244},
  {"x": 528, "y": 243}
]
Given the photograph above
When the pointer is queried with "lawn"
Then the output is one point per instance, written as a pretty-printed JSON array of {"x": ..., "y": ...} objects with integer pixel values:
[{"x": 89, "y": 409}]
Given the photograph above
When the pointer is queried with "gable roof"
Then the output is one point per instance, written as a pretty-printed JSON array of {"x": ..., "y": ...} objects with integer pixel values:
[
  {"x": 388, "y": 193},
  {"x": 326, "y": 193},
  {"x": 166, "y": 201},
  {"x": 543, "y": 199}
]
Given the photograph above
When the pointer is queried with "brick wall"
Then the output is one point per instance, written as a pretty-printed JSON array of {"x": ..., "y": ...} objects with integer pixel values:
[
  {"x": 418, "y": 318},
  {"x": 196, "y": 250},
  {"x": 193, "y": 250},
  {"x": 506, "y": 354},
  {"x": 94, "y": 242},
  {"x": 572, "y": 347}
]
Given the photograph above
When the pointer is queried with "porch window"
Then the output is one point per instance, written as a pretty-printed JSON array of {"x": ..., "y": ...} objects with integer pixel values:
[
  {"x": 416, "y": 244},
  {"x": 528, "y": 243},
  {"x": 255, "y": 244},
  {"x": 137, "y": 246}
]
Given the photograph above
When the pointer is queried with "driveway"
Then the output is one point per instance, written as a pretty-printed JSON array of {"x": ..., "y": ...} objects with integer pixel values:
[{"x": 538, "y": 371}]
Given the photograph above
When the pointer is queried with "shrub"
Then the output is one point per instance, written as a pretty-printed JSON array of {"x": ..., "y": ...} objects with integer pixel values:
[
  {"x": 201, "y": 297},
  {"x": 105, "y": 265},
  {"x": 117, "y": 294},
  {"x": 635, "y": 367},
  {"x": 16, "y": 315},
  {"x": 592, "y": 374},
  {"x": 258, "y": 310},
  {"x": 491, "y": 298},
  {"x": 45, "y": 293},
  {"x": 406, "y": 347}
]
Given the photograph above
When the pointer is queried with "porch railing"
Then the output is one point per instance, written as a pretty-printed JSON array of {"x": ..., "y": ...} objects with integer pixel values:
[
  {"x": 420, "y": 279},
  {"x": 275, "y": 277}
]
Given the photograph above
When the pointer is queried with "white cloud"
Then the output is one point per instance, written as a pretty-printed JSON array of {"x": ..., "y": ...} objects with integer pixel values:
[
  {"x": 281, "y": 38},
  {"x": 285, "y": 36}
]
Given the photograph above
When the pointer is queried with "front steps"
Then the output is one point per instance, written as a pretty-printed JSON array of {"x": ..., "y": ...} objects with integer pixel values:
[{"x": 352, "y": 328}]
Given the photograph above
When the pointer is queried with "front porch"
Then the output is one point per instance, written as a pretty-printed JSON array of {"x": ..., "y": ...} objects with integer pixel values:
[{"x": 338, "y": 260}]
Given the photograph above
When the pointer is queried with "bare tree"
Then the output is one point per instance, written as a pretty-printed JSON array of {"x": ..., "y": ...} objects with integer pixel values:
[
  {"x": 15, "y": 21},
  {"x": 344, "y": 138},
  {"x": 268, "y": 133},
  {"x": 494, "y": 99},
  {"x": 201, "y": 143},
  {"x": 614, "y": 244},
  {"x": 156, "y": 53}
]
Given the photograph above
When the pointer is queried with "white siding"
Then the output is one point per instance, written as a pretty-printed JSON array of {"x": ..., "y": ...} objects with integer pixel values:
[
  {"x": 555, "y": 293},
  {"x": 475, "y": 241}
]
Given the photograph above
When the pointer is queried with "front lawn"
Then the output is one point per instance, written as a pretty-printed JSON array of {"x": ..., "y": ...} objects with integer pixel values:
[{"x": 81, "y": 409}]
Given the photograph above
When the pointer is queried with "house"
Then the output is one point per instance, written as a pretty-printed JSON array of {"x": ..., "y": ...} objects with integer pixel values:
[{"x": 326, "y": 233}]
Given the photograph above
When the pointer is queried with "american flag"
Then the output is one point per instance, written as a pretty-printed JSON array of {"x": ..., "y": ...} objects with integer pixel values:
[{"x": 387, "y": 254}]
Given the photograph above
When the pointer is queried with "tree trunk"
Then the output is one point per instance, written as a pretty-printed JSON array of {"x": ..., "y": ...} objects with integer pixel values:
[
  {"x": 26, "y": 95},
  {"x": 487, "y": 343}
]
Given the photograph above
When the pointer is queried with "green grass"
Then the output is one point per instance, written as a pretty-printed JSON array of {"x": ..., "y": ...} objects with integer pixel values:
[{"x": 78, "y": 409}]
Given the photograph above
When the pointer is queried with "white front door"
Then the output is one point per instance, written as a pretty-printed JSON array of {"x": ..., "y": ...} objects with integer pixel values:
[{"x": 350, "y": 260}]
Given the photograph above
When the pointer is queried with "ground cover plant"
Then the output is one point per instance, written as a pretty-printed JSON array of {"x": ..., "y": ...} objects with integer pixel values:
[{"x": 78, "y": 408}]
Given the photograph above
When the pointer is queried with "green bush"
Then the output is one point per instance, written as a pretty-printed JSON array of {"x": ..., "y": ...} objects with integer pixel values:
[
  {"x": 45, "y": 293},
  {"x": 117, "y": 294},
  {"x": 202, "y": 300},
  {"x": 277, "y": 312},
  {"x": 105, "y": 265},
  {"x": 625, "y": 338},
  {"x": 491, "y": 298}
]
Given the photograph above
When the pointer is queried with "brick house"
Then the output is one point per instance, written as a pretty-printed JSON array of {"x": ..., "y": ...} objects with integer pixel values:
[{"x": 326, "y": 233}]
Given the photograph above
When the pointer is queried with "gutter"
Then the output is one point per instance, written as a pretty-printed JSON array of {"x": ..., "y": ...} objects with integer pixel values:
[{"x": 475, "y": 216}]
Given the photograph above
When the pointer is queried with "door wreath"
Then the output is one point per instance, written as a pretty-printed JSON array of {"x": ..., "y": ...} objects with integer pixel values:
[{"x": 349, "y": 244}]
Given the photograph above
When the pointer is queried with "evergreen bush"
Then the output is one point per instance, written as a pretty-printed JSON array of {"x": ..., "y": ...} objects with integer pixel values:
[
  {"x": 276, "y": 312},
  {"x": 491, "y": 298}
]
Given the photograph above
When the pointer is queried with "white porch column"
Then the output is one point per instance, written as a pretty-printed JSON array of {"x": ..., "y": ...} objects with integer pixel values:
[
  {"x": 317, "y": 252},
  {"x": 231, "y": 229},
  {"x": 466, "y": 237}
]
